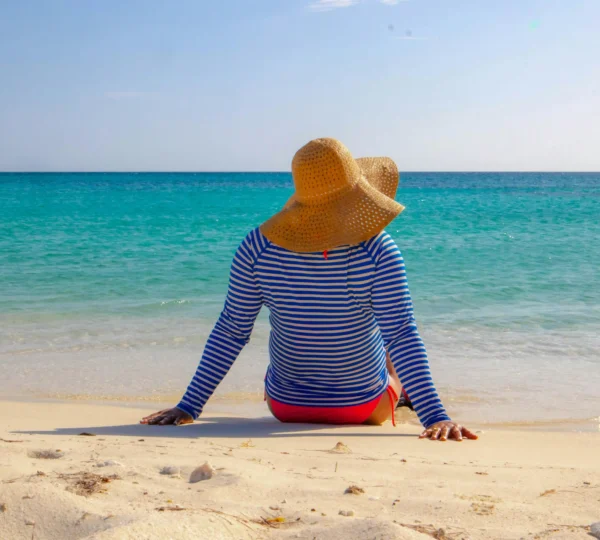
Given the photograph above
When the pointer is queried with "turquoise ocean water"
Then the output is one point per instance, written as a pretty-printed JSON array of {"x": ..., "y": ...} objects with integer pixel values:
[{"x": 110, "y": 284}]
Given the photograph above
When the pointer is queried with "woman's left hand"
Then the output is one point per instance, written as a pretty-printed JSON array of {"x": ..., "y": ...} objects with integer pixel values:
[
  {"x": 168, "y": 417},
  {"x": 442, "y": 431}
]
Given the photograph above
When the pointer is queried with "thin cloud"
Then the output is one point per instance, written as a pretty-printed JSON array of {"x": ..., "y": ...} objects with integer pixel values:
[
  {"x": 409, "y": 38},
  {"x": 330, "y": 5}
]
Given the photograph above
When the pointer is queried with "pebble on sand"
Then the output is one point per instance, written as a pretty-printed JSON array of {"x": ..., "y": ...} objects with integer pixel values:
[
  {"x": 109, "y": 463},
  {"x": 204, "y": 472},
  {"x": 171, "y": 471},
  {"x": 595, "y": 529},
  {"x": 30, "y": 522},
  {"x": 45, "y": 454},
  {"x": 347, "y": 513},
  {"x": 2, "y": 507}
]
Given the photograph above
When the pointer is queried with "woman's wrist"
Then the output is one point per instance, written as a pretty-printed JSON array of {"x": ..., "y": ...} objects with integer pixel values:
[
  {"x": 188, "y": 410},
  {"x": 436, "y": 419}
]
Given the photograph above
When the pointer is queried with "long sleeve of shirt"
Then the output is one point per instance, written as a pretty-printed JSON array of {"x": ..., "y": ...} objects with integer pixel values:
[
  {"x": 393, "y": 309},
  {"x": 231, "y": 332}
]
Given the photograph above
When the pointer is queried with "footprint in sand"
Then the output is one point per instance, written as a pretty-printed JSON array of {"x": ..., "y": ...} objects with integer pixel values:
[{"x": 483, "y": 509}]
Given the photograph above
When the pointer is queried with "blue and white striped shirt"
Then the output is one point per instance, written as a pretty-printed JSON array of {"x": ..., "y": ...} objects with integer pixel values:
[{"x": 332, "y": 320}]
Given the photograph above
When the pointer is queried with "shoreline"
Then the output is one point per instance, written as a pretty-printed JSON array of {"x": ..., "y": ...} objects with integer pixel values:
[
  {"x": 274, "y": 480},
  {"x": 251, "y": 404}
]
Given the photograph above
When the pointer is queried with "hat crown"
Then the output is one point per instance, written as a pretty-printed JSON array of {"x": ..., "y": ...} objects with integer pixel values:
[
  {"x": 338, "y": 200},
  {"x": 322, "y": 170}
]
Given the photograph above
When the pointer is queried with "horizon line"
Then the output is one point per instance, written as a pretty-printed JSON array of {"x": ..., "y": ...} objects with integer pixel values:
[{"x": 290, "y": 172}]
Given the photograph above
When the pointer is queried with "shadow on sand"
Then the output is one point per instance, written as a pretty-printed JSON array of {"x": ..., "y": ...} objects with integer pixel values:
[{"x": 215, "y": 427}]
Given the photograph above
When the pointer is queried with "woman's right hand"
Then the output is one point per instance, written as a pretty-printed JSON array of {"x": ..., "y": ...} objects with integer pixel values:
[
  {"x": 168, "y": 417},
  {"x": 442, "y": 431}
]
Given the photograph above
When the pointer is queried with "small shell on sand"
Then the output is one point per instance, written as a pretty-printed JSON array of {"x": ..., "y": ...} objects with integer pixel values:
[
  {"x": 45, "y": 454},
  {"x": 341, "y": 448},
  {"x": 347, "y": 513},
  {"x": 595, "y": 529},
  {"x": 354, "y": 490},
  {"x": 3, "y": 507},
  {"x": 30, "y": 522},
  {"x": 171, "y": 471},
  {"x": 204, "y": 472}
]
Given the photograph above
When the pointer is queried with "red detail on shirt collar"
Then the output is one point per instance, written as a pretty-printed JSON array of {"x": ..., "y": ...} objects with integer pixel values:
[{"x": 325, "y": 254}]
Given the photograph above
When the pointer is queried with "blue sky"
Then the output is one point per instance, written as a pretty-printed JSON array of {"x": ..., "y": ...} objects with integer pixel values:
[{"x": 231, "y": 85}]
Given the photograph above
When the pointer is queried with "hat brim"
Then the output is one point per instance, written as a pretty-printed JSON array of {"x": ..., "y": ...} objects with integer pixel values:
[
  {"x": 356, "y": 216},
  {"x": 381, "y": 173}
]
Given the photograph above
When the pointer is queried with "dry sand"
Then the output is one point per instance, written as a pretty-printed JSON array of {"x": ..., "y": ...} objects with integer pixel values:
[{"x": 283, "y": 481}]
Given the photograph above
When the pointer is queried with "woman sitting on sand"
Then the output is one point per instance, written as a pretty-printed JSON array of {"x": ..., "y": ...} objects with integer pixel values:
[{"x": 343, "y": 334}]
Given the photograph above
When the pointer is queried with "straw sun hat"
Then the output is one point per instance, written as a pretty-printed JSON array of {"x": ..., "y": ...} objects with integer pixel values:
[{"x": 338, "y": 200}]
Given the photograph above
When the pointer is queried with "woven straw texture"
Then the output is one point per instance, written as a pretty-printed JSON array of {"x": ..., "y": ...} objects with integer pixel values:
[{"x": 337, "y": 201}]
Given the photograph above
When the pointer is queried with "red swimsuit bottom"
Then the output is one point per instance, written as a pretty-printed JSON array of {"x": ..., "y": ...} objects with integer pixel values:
[{"x": 355, "y": 414}]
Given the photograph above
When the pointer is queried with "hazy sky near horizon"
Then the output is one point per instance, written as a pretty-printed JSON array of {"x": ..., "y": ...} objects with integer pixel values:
[{"x": 229, "y": 85}]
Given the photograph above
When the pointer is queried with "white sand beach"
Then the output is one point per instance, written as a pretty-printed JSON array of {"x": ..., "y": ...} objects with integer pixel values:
[{"x": 283, "y": 481}]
